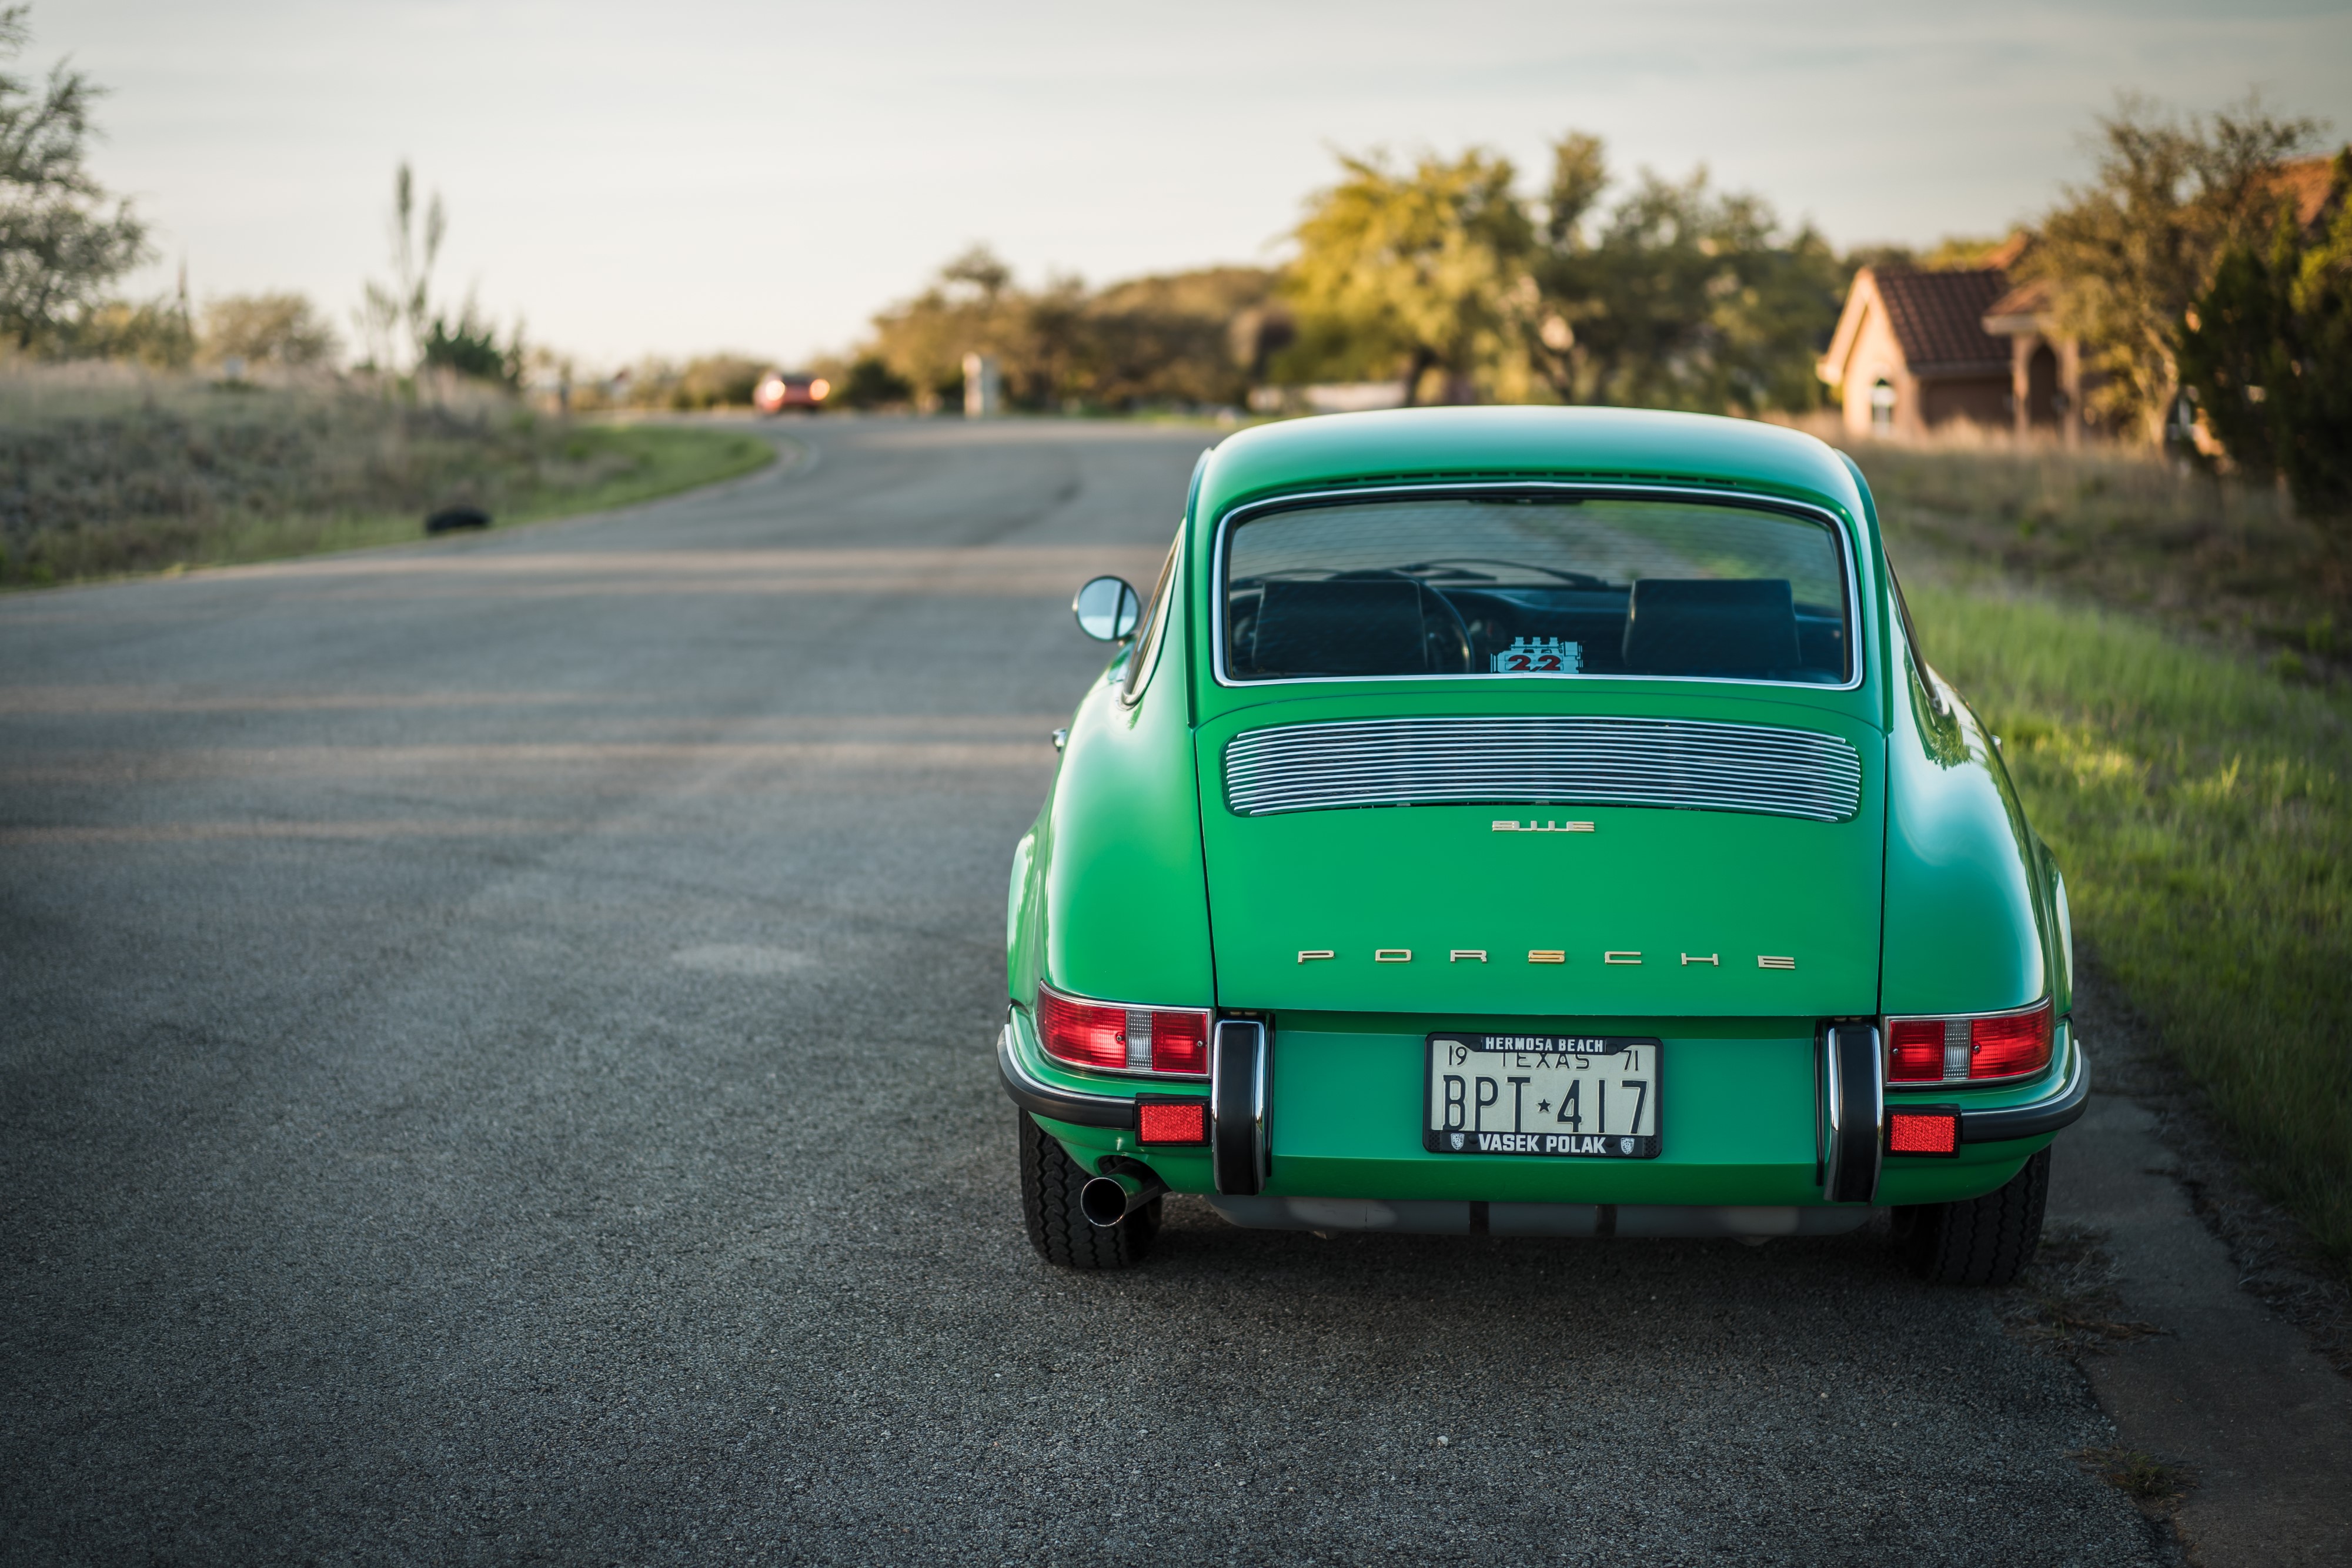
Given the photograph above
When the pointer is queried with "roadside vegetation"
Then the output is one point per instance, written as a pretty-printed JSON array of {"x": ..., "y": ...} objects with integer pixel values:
[
  {"x": 105, "y": 471},
  {"x": 2156, "y": 652}
]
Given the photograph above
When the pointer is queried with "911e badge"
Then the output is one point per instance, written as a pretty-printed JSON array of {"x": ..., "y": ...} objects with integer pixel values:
[{"x": 1585, "y": 1097}]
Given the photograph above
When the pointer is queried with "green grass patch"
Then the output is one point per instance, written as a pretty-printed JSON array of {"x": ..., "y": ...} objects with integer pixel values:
[
  {"x": 2125, "y": 529},
  {"x": 101, "y": 478},
  {"x": 2198, "y": 804}
]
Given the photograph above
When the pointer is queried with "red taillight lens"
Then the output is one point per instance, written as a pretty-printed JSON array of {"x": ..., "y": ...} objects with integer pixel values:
[
  {"x": 1923, "y": 1132},
  {"x": 1167, "y": 1123},
  {"x": 1915, "y": 1050},
  {"x": 1083, "y": 1032},
  {"x": 1180, "y": 1042},
  {"x": 1125, "y": 1039},
  {"x": 2010, "y": 1045}
]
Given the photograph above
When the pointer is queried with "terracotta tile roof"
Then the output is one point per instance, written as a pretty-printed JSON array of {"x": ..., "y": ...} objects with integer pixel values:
[
  {"x": 2024, "y": 302},
  {"x": 1938, "y": 318},
  {"x": 2306, "y": 180}
]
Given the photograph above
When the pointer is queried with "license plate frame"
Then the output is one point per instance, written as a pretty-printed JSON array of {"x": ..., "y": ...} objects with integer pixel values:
[{"x": 1520, "y": 1062}]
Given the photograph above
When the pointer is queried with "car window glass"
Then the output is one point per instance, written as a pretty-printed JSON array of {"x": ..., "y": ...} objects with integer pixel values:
[
  {"x": 1564, "y": 586},
  {"x": 1146, "y": 642}
]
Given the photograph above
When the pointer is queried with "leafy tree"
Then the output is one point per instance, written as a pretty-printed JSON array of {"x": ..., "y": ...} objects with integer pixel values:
[
  {"x": 151, "y": 332},
  {"x": 468, "y": 347},
  {"x": 1423, "y": 268},
  {"x": 2266, "y": 352},
  {"x": 1162, "y": 339},
  {"x": 870, "y": 382},
  {"x": 718, "y": 380},
  {"x": 2129, "y": 251},
  {"x": 59, "y": 247},
  {"x": 282, "y": 328},
  {"x": 1682, "y": 296},
  {"x": 969, "y": 308}
]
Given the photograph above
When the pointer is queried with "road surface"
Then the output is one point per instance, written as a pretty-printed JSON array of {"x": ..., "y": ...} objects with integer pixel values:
[{"x": 495, "y": 1066}]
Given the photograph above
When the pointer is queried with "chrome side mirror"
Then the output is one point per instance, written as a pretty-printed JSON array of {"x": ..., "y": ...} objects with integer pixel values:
[{"x": 1107, "y": 610}]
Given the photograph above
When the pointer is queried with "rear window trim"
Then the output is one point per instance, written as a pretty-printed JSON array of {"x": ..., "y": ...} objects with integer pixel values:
[{"x": 1247, "y": 511}]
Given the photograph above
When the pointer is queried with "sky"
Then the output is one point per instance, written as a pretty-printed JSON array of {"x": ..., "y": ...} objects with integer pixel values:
[{"x": 702, "y": 176}]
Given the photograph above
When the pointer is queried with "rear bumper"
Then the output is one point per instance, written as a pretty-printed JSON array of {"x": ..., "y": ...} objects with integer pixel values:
[
  {"x": 2036, "y": 1118},
  {"x": 1040, "y": 1097},
  {"x": 1409, "y": 1217},
  {"x": 1742, "y": 1151}
]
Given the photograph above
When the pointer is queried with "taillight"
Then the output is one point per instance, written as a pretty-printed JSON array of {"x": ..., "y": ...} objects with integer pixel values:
[
  {"x": 2010, "y": 1045},
  {"x": 1968, "y": 1050},
  {"x": 1123, "y": 1039},
  {"x": 1915, "y": 1050}
]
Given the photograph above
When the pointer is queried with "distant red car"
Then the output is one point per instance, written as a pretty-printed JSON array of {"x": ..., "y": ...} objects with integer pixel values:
[{"x": 779, "y": 390}]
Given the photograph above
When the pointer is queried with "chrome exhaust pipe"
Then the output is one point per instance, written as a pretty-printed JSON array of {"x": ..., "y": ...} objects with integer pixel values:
[{"x": 1108, "y": 1199}]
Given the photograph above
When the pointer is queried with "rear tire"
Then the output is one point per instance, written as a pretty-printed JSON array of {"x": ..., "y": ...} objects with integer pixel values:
[
  {"x": 1050, "y": 1181},
  {"x": 1983, "y": 1240}
]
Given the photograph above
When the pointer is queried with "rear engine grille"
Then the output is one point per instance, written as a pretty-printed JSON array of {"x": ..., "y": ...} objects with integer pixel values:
[{"x": 1676, "y": 763}]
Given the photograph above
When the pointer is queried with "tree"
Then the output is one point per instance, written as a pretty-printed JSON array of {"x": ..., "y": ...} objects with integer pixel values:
[
  {"x": 282, "y": 328},
  {"x": 397, "y": 318},
  {"x": 969, "y": 308},
  {"x": 1423, "y": 268},
  {"x": 2266, "y": 352},
  {"x": 2128, "y": 252},
  {"x": 469, "y": 346},
  {"x": 1681, "y": 298},
  {"x": 59, "y": 247}
]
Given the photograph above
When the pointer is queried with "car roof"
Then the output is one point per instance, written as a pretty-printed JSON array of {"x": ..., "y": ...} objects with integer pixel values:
[{"x": 1616, "y": 445}]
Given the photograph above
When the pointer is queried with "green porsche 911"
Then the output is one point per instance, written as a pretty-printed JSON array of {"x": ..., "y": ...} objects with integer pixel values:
[{"x": 1521, "y": 821}]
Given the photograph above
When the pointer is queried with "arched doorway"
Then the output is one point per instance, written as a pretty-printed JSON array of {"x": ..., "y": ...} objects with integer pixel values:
[
  {"x": 1882, "y": 408},
  {"x": 2041, "y": 410}
]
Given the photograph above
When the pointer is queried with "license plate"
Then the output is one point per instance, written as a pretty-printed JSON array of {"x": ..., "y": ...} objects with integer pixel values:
[{"x": 1585, "y": 1097}]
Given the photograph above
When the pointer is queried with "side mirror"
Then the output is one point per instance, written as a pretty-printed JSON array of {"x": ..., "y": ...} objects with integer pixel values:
[{"x": 1107, "y": 610}]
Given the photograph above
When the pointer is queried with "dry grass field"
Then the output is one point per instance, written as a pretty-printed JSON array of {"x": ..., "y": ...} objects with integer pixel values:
[{"x": 106, "y": 471}]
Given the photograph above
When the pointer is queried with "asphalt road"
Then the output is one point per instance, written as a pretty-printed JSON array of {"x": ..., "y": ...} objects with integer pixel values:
[{"x": 495, "y": 1066}]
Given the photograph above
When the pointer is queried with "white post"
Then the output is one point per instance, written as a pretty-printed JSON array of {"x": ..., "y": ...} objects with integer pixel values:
[{"x": 983, "y": 388}]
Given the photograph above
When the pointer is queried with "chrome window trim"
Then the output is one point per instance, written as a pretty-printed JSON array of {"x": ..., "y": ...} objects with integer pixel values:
[
  {"x": 1247, "y": 510},
  {"x": 1143, "y": 661}
]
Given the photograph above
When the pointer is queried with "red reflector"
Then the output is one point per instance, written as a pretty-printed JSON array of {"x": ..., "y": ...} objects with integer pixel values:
[
  {"x": 1915, "y": 1051},
  {"x": 1180, "y": 1042},
  {"x": 2010, "y": 1045},
  {"x": 1923, "y": 1132},
  {"x": 1081, "y": 1032},
  {"x": 1172, "y": 1124}
]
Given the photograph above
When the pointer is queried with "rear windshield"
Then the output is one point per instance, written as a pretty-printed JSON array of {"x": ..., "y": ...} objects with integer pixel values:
[{"x": 1555, "y": 586}]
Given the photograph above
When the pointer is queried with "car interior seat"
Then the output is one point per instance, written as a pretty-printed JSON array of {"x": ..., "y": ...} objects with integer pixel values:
[
  {"x": 1348, "y": 627},
  {"x": 1706, "y": 626}
]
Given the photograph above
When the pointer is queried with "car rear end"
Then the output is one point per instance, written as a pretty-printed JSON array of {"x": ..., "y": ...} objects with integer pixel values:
[{"x": 1545, "y": 826}]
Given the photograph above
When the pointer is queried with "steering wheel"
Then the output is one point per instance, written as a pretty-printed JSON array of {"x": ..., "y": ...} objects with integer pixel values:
[{"x": 1435, "y": 637}]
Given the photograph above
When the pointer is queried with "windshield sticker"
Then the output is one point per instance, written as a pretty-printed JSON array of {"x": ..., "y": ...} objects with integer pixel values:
[{"x": 1539, "y": 656}]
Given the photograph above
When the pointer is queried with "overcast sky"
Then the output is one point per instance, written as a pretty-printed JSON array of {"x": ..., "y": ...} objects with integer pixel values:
[{"x": 704, "y": 174}]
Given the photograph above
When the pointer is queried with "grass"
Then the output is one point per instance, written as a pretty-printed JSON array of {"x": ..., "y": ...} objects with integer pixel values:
[
  {"x": 2119, "y": 528},
  {"x": 2196, "y": 798},
  {"x": 104, "y": 474},
  {"x": 2155, "y": 1485},
  {"x": 2067, "y": 1300}
]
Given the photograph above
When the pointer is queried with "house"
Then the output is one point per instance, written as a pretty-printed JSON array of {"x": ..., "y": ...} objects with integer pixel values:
[
  {"x": 1916, "y": 350},
  {"x": 1912, "y": 351}
]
